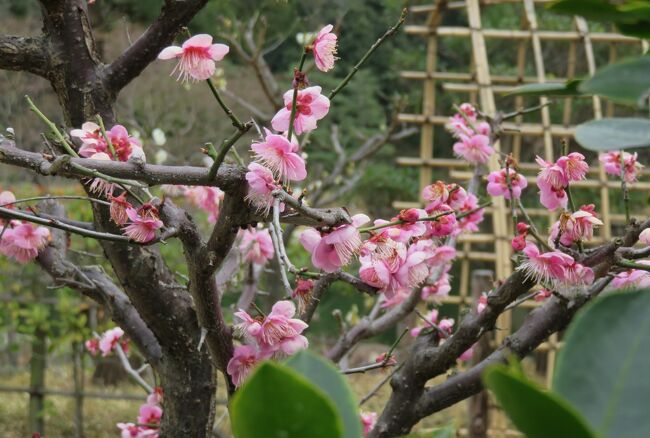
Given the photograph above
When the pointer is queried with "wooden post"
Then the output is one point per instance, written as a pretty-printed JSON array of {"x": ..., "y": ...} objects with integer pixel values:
[
  {"x": 78, "y": 377},
  {"x": 37, "y": 365},
  {"x": 478, "y": 422}
]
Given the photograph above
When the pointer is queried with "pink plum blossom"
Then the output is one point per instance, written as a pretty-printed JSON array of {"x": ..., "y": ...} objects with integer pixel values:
[
  {"x": 544, "y": 267},
  {"x": 23, "y": 242},
  {"x": 98, "y": 185},
  {"x": 149, "y": 414},
  {"x": 324, "y": 48},
  {"x": 302, "y": 293},
  {"x": 473, "y": 214},
  {"x": 458, "y": 126},
  {"x": 118, "y": 208},
  {"x": 280, "y": 155},
  {"x": 241, "y": 364},
  {"x": 612, "y": 164},
  {"x": 632, "y": 278},
  {"x": 498, "y": 186},
  {"x": 277, "y": 332},
  {"x": 260, "y": 187},
  {"x": 92, "y": 345},
  {"x": 207, "y": 199},
  {"x": 311, "y": 106},
  {"x": 256, "y": 246},
  {"x": 431, "y": 319},
  {"x": 467, "y": 354},
  {"x": 482, "y": 303},
  {"x": 197, "y": 57},
  {"x": 130, "y": 430},
  {"x": 445, "y": 223},
  {"x": 368, "y": 421},
  {"x": 575, "y": 227},
  {"x": 543, "y": 295},
  {"x": 333, "y": 249},
  {"x": 142, "y": 224},
  {"x": 109, "y": 340},
  {"x": 124, "y": 144},
  {"x": 574, "y": 166},
  {"x": 644, "y": 237},
  {"x": 476, "y": 148},
  {"x": 92, "y": 140},
  {"x": 436, "y": 194}
]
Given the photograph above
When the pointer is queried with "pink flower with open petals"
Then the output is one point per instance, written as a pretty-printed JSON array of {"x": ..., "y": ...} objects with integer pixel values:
[
  {"x": 130, "y": 430},
  {"x": 261, "y": 184},
  {"x": 109, "y": 340},
  {"x": 632, "y": 278},
  {"x": 207, "y": 199},
  {"x": 256, "y": 246},
  {"x": 324, "y": 48},
  {"x": 142, "y": 224},
  {"x": 335, "y": 248},
  {"x": 445, "y": 223},
  {"x": 279, "y": 155},
  {"x": 124, "y": 144},
  {"x": 276, "y": 333},
  {"x": 545, "y": 267},
  {"x": 644, "y": 237},
  {"x": 92, "y": 139},
  {"x": 118, "y": 208},
  {"x": 368, "y": 420},
  {"x": 98, "y": 185},
  {"x": 311, "y": 106},
  {"x": 612, "y": 164},
  {"x": 476, "y": 148},
  {"x": 149, "y": 414},
  {"x": 242, "y": 363},
  {"x": 574, "y": 166},
  {"x": 24, "y": 241},
  {"x": 551, "y": 174},
  {"x": 577, "y": 226},
  {"x": 92, "y": 345},
  {"x": 197, "y": 57},
  {"x": 498, "y": 186}
]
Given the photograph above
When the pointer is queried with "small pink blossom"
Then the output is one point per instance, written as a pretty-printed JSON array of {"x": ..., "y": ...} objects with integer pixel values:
[
  {"x": 482, "y": 303},
  {"x": 311, "y": 106},
  {"x": 644, "y": 237},
  {"x": 92, "y": 345},
  {"x": 543, "y": 295},
  {"x": 197, "y": 57},
  {"x": 551, "y": 174},
  {"x": 124, "y": 144},
  {"x": 368, "y": 421},
  {"x": 431, "y": 319},
  {"x": 574, "y": 166},
  {"x": 467, "y": 355},
  {"x": 438, "y": 290},
  {"x": 545, "y": 267},
  {"x": 149, "y": 415},
  {"x": 260, "y": 187},
  {"x": 24, "y": 241},
  {"x": 98, "y": 185},
  {"x": 333, "y": 249},
  {"x": 278, "y": 332},
  {"x": 207, "y": 199},
  {"x": 518, "y": 242},
  {"x": 444, "y": 225},
  {"x": 458, "y": 126},
  {"x": 473, "y": 215},
  {"x": 303, "y": 293},
  {"x": 155, "y": 398},
  {"x": 436, "y": 194},
  {"x": 575, "y": 227},
  {"x": 324, "y": 48},
  {"x": 256, "y": 246},
  {"x": 92, "y": 140},
  {"x": 632, "y": 278},
  {"x": 142, "y": 224},
  {"x": 612, "y": 164},
  {"x": 280, "y": 155},
  {"x": 118, "y": 208},
  {"x": 497, "y": 184},
  {"x": 242, "y": 363},
  {"x": 476, "y": 149},
  {"x": 109, "y": 340},
  {"x": 130, "y": 430}
]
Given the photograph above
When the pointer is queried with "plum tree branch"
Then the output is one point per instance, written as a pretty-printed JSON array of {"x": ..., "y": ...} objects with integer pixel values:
[
  {"x": 175, "y": 14},
  {"x": 24, "y": 54}
]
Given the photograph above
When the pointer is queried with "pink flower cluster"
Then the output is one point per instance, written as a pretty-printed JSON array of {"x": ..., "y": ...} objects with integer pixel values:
[
  {"x": 444, "y": 198},
  {"x": 206, "y": 198},
  {"x": 554, "y": 178},
  {"x": 143, "y": 223},
  {"x": 94, "y": 143},
  {"x": 332, "y": 249},
  {"x": 107, "y": 342},
  {"x": 473, "y": 136},
  {"x": 498, "y": 183},
  {"x": 554, "y": 268},
  {"x": 256, "y": 246},
  {"x": 148, "y": 421},
  {"x": 575, "y": 227},
  {"x": 632, "y": 278},
  {"x": 612, "y": 164},
  {"x": 22, "y": 241},
  {"x": 274, "y": 335}
]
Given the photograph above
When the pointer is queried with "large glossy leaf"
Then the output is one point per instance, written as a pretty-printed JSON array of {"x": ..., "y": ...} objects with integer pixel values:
[
  {"x": 277, "y": 402},
  {"x": 324, "y": 375},
  {"x": 632, "y": 17},
  {"x": 600, "y": 10},
  {"x": 626, "y": 82},
  {"x": 569, "y": 88},
  {"x": 614, "y": 133},
  {"x": 538, "y": 414},
  {"x": 602, "y": 369}
]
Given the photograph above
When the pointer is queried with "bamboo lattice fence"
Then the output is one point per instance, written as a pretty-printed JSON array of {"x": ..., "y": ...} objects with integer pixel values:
[{"x": 525, "y": 136}]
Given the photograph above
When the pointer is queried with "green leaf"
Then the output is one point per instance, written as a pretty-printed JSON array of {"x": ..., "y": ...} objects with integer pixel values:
[
  {"x": 568, "y": 88},
  {"x": 324, "y": 375},
  {"x": 614, "y": 133},
  {"x": 538, "y": 414},
  {"x": 600, "y": 10},
  {"x": 277, "y": 402},
  {"x": 626, "y": 82},
  {"x": 444, "y": 432},
  {"x": 602, "y": 369}
]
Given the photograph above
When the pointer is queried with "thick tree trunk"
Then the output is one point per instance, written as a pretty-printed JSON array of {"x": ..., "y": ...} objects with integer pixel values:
[{"x": 186, "y": 374}]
